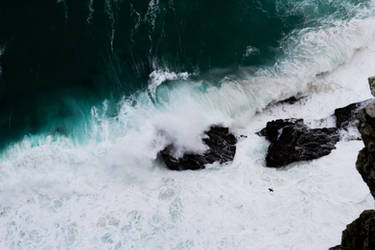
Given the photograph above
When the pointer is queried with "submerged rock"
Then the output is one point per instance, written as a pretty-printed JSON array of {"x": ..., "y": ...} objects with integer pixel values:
[
  {"x": 292, "y": 141},
  {"x": 221, "y": 148},
  {"x": 291, "y": 100}
]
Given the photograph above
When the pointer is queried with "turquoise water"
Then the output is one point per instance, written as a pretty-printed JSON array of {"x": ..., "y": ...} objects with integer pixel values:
[
  {"x": 61, "y": 58},
  {"x": 91, "y": 91}
]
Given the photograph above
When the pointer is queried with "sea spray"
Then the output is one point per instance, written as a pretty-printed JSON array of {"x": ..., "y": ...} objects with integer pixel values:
[{"x": 98, "y": 184}]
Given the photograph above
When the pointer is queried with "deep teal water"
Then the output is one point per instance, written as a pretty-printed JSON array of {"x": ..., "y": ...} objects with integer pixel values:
[{"x": 61, "y": 57}]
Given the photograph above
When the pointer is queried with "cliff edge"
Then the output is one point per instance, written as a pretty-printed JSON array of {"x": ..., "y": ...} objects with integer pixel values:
[{"x": 360, "y": 234}]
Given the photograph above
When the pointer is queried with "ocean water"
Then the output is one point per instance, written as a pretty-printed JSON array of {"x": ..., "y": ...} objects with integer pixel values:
[{"x": 90, "y": 97}]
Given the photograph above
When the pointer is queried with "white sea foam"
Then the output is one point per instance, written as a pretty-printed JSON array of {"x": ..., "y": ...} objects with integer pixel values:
[
  {"x": 110, "y": 193},
  {"x": 157, "y": 77}
]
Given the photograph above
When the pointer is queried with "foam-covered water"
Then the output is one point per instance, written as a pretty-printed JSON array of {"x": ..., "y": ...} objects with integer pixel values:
[{"x": 105, "y": 190}]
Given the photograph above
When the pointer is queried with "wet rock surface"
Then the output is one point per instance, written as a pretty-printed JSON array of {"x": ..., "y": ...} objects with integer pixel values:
[
  {"x": 347, "y": 116},
  {"x": 366, "y": 159},
  {"x": 360, "y": 234},
  {"x": 292, "y": 141},
  {"x": 221, "y": 148}
]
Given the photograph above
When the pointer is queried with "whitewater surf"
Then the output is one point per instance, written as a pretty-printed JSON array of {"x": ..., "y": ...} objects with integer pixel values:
[{"x": 79, "y": 147}]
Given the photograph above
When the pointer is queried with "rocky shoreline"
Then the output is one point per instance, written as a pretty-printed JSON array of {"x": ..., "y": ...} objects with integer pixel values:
[
  {"x": 360, "y": 234},
  {"x": 291, "y": 140}
]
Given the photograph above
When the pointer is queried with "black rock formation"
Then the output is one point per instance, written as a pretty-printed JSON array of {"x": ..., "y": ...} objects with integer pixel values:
[
  {"x": 221, "y": 148},
  {"x": 347, "y": 116},
  {"x": 360, "y": 234},
  {"x": 292, "y": 141},
  {"x": 366, "y": 158}
]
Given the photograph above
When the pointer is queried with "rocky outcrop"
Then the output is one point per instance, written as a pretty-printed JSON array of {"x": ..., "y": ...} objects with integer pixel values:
[
  {"x": 347, "y": 116},
  {"x": 221, "y": 148},
  {"x": 360, "y": 234},
  {"x": 291, "y": 141},
  {"x": 371, "y": 82},
  {"x": 366, "y": 158}
]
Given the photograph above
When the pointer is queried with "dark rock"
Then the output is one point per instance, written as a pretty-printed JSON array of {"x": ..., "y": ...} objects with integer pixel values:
[
  {"x": 271, "y": 131},
  {"x": 221, "y": 148},
  {"x": 366, "y": 159},
  {"x": 290, "y": 100},
  {"x": 292, "y": 141},
  {"x": 371, "y": 81},
  {"x": 360, "y": 234},
  {"x": 366, "y": 125},
  {"x": 366, "y": 167},
  {"x": 347, "y": 116},
  {"x": 336, "y": 248}
]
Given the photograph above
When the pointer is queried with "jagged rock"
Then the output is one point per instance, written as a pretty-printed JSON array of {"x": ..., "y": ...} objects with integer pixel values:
[
  {"x": 221, "y": 148},
  {"x": 347, "y": 116},
  {"x": 366, "y": 167},
  {"x": 360, "y": 234},
  {"x": 366, "y": 159},
  {"x": 271, "y": 131},
  {"x": 292, "y": 141},
  {"x": 366, "y": 125}
]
